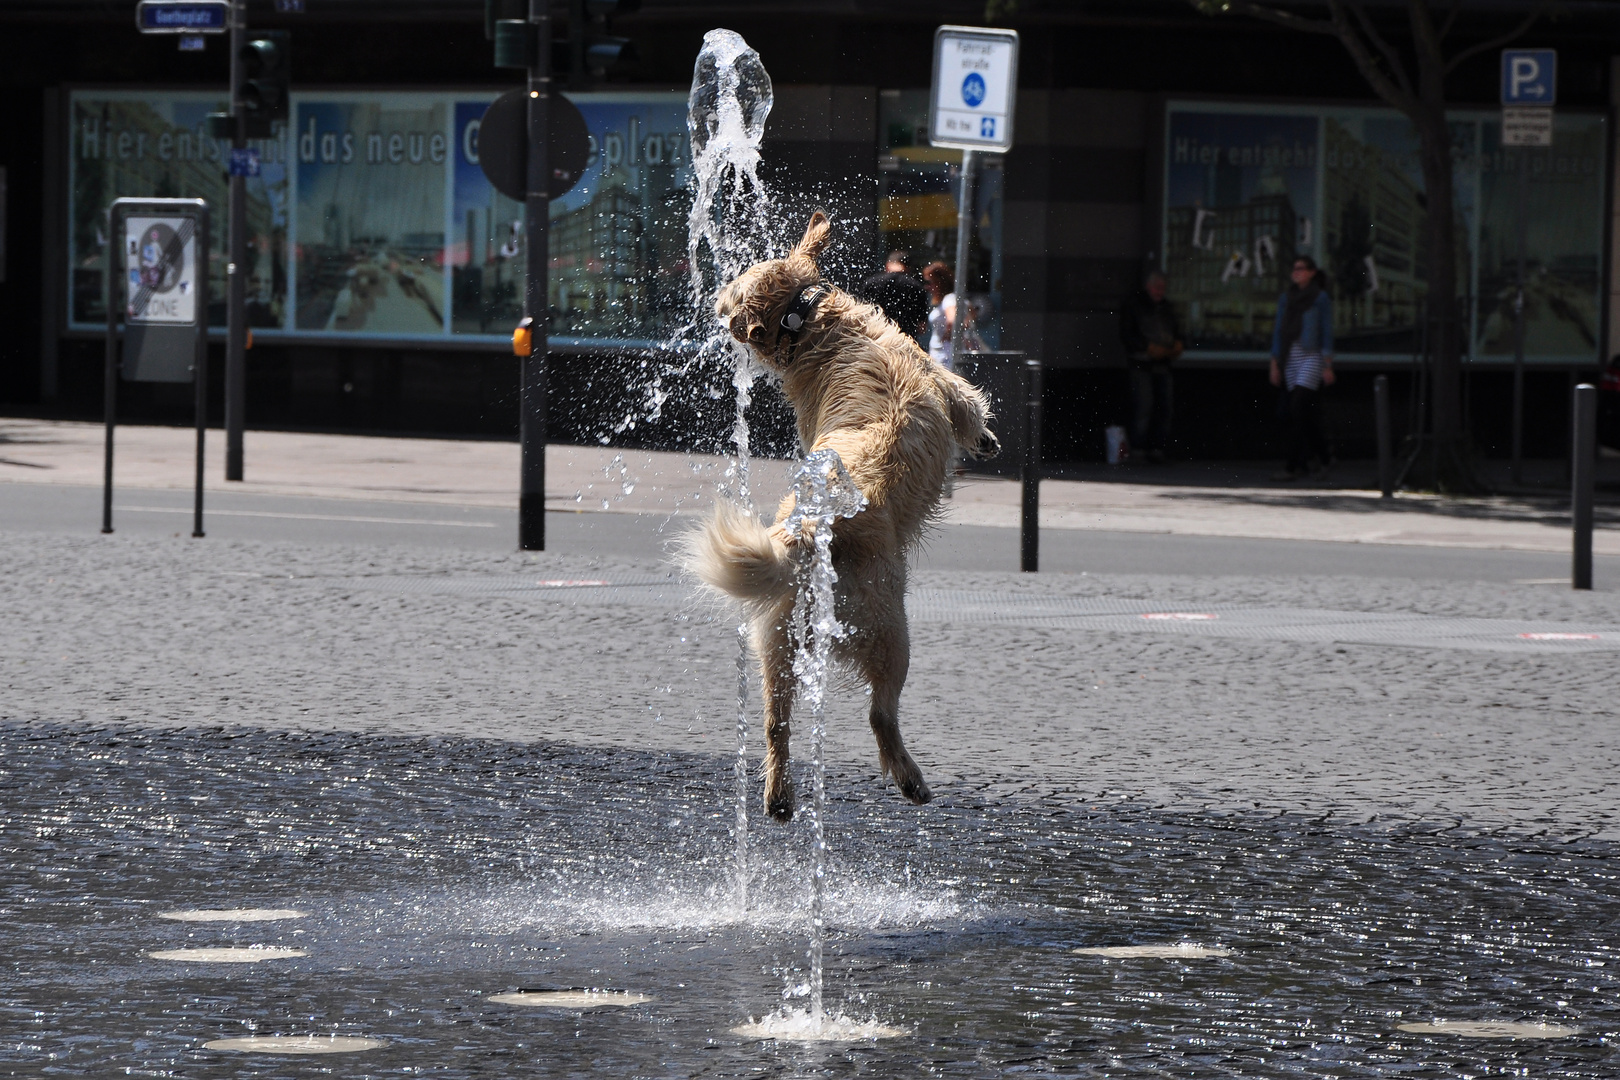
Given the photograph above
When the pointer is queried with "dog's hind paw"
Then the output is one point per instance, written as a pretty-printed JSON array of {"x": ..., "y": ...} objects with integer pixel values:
[
  {"x": 916, "y": 791},
  {"x": 909, "y": 779},
  {"x": 779, "y": 801},
  {"x": 988, "y": 446}
]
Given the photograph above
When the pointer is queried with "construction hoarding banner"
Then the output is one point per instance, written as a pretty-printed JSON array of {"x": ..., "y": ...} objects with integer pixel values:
[
  {"x": 1249, "y": 187},
  {"x": 370, "y": 218}
]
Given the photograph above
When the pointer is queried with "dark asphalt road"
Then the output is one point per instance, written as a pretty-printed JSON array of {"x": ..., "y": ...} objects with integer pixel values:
[{"x": 306, "y": 520}]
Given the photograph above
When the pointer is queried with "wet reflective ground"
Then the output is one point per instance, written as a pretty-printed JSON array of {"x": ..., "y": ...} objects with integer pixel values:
[{"x": 438, "y": 873}]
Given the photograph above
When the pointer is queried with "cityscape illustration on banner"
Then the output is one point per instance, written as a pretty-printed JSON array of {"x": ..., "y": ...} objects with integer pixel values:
[
  {"x": 370, "y": 217},
  {"x": 1247, "y": 188}
]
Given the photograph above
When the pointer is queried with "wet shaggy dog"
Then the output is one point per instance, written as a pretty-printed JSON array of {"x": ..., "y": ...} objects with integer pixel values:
[{"x": 862, "y": 387}]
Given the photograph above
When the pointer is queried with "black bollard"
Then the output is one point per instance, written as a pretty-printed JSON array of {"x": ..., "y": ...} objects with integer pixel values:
[
  {"x": 1583, "y": 453},
  {"x": 1386, "y": 477},
  {"x": 1029, "y": 546}
]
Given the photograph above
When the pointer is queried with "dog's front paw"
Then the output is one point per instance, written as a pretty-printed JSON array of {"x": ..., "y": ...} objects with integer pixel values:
[
  {"x": 779, "y": 800},
  {"x": 988, "y": 446}
]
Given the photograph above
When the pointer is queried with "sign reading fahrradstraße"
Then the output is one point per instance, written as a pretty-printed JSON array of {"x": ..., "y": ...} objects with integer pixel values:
[{"x": 975, "y": 86}]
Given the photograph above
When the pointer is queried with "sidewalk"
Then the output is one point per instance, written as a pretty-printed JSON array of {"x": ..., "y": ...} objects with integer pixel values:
[{"x": 1214, "y": 500}]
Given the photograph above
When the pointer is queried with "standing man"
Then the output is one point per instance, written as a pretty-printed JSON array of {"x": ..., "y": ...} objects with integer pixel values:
[{"x": 1147, "y": 327}]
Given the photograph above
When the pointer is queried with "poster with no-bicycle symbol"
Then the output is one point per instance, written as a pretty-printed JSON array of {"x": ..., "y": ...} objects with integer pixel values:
[{"x": 160, "y": 256}]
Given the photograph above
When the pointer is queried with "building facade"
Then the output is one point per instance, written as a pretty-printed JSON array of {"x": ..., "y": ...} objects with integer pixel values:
[{"x": 385, "y": 272}]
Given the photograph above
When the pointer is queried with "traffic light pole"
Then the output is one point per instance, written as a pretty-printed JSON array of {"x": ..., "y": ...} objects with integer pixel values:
[
  {"x": 532, "y": 388},
  {"x": 236, "y": 265}
]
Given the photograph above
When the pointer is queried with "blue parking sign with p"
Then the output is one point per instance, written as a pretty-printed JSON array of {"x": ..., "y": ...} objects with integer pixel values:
[{"x": 1530, "y": 77}]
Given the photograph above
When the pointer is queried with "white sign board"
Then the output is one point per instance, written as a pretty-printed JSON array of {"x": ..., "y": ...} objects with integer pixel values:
[
  {"x": 1526, "y": 125},
  {"x": 160, "y": 260},
  {"x": 975, "y": 88}
]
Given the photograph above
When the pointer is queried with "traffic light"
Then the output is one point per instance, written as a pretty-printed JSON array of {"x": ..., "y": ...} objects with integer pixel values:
[
  {"x": 594, "y": 51},
  {"x": 266, "y": 61}
]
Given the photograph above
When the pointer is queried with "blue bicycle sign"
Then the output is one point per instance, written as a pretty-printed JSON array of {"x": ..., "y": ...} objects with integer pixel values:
[{"x": 973, "y": 89}]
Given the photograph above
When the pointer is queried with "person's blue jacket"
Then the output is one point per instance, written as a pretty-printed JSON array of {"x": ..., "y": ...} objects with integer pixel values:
[{"x": 1315, "y": 332}]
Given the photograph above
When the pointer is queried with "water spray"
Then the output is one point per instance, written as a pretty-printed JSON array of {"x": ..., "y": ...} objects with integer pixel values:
[
  {"x": 730, "y": 99},
  {"x": 822, "y": 493}
]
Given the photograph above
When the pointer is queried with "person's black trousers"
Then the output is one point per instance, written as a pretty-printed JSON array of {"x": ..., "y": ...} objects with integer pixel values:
[
  {"x": 1305, "y": 438},
  {"x": 1151, "y": 403}
]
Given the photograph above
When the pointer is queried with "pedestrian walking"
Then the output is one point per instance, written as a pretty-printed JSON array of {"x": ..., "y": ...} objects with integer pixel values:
[
  {"x": 1302, "y": 363},
  {"x": 898, "y": 262},
  {"x": 942, "y": 316},
  {"x": 1152, "y": 340}
]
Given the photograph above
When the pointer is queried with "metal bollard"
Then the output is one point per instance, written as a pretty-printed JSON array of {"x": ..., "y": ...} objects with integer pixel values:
[
  {"x": 1583, "y": 453},
  {"x": 1029, "y": 540},
  {"x": 1386, "y": 477}
]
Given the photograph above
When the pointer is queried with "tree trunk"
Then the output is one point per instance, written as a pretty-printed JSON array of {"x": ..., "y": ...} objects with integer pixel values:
[
  {"x": 1441, "y": 243},
  {"x": 1451, "y": 461}
]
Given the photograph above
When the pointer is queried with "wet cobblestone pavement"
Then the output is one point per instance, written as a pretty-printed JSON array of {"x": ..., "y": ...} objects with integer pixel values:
[
  {"x": 471, "y": 788},
  {"x": 436, "y": 873}
]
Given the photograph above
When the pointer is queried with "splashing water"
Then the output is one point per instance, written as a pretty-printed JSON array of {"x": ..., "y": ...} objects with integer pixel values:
[
  {"x": 740, "y": 770},
  {"x": 822, "y": 493},
  {"x": 730, "y": 99}
]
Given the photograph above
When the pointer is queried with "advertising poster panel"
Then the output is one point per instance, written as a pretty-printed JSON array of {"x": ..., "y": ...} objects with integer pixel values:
[
  {"x": 617, "y": 244},
  {"x": 371, "y": 218},
  {"x": 369, "y": 213},
  {"x": 1247, "y": 188},
  {"x": 151, "y": 143}
]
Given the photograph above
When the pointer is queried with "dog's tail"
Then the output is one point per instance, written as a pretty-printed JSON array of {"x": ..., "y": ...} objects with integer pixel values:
[{"x": 735, "y": 554}]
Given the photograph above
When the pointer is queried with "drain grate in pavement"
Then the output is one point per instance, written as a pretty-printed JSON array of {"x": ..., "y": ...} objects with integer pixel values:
[{"x": 1088, "y": 613}]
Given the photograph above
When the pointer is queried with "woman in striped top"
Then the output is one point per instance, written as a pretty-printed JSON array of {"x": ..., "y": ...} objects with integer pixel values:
[{"x": 1302, "y": 363}]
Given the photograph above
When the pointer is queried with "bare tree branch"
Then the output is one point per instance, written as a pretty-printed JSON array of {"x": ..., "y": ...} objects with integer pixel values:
[
  {"x": 1451, "y": 19},
  {"x": 1391, "y": 57},
  {"x": 1496, "y": 43},
  {"x": 1396, "y": 90},
  {"x": 1386, "y": 88}
]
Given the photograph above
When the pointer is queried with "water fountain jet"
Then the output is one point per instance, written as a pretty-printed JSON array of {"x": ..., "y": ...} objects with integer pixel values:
[{"x": 731, "y": 97}]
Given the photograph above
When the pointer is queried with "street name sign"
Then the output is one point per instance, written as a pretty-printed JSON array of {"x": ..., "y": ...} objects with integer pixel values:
[
  {"x": 970, "y": 106},
  {"x": 1530, "y": 77},
  {"x": 244, "y": 161},
  {"x": 176, "y": 17}
]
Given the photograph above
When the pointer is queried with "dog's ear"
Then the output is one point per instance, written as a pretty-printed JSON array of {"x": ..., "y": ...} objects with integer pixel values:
[{"x": 817, "y": 237}]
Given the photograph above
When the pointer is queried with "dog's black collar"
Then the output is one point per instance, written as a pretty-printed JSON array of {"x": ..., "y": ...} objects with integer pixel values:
[{"x": 803, "y": 309}]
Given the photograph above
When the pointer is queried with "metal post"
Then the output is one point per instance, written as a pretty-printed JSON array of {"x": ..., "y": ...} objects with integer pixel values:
[
  {"x": 109, "y": 384},
  {"x": 964, "y": 229},
  {"x": 1584, "y": 452},
  {"x": 1386, "y": 474},
  {"x": 532, "y": 391},
  {"x": 1518, "y": 322},
  {"x": 1029, "y": 547},
  {"x": 200, "y": 370},
  {"x": 236, "y": 267}
]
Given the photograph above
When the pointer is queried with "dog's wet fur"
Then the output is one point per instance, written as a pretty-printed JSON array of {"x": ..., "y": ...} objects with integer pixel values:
[{"x": 860, "y": 386}]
